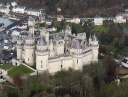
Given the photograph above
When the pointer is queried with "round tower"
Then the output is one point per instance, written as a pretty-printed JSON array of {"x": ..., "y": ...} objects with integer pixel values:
[
  {"x": 19, "y": 47},
  {"x": 32, "y": 30},
  {"x": 59, "y": 45},
  {"x": 29, "y": 48},
  {"x": 95, "y": 48},
  {"x": 76, "y": 52},
  {"x": 44, "y": 32},
  {"x": 31, "y": 22},
  {"x": 42, "y": 55},
  {"x": 68, "y": 29},
  {"x": 51, "y": 49}
]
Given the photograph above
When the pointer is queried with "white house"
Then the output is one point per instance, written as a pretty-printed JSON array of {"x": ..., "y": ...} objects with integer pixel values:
[
  {"x": 59, "y": 9},
  {"x": 48, "y": 22},
  {"x": 33, "y": 12},
  {"x": 19, "y": 9},
  {"x": 14, "y": 4},
  {"x": 119, "y": 19},
  {"x": 60, "y": 18},
  {"x": 75, "y": 20},
  {"x": 98, "y": 20},
  {"x": 4, "y": 9}
]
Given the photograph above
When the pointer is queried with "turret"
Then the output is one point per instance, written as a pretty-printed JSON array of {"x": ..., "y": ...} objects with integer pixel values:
[
  {"x": 29, "y": 48},
  {"x": 31, "y": 22},
  {"x": 44, "y": 32},
  {"x": 94, "y": 46},
  {"x": 59, "y": 45},
  {"x": 42, "y": 18},
  {"x": 32, "y": 30},
  {"x": 68, "y": 29},
  {"x": 42, "y": 55},
  {"x": 51, "y": 49},
  {"x": 76, "y": 52},
  {"x": 19, "y": 47},
  {"x": 51, "y": 45}
]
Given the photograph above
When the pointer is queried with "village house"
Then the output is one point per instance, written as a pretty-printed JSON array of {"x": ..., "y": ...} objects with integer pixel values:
[
  {"x": 19, "y": 9},
  {"x": 14, "y": 4},
  {"x": 33, "y": 12},
  {"x": 98, "y": 20},
  {"x": 119, "y": 19},
  {"x": 75, "y": 20},
  {"x": 60, "y": 18}
]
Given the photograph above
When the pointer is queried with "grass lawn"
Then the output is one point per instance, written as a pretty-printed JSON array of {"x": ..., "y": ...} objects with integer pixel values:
[
  {"x": 100, "y": 28},
  {"x": 7, "y": 66},
  {"x": 19, "y": 70},
  {"x": 121, "y": 71}
]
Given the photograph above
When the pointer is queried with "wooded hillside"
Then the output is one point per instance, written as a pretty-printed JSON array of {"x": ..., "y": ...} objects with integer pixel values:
[{"x": 73, "y": 7}]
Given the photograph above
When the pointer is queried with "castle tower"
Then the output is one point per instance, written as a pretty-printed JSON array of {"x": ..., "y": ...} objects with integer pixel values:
[
  {"x": 42, "y": 55},
  {"x": 59, "y": 45},
  {"x": 19, "y": 47},
  {"x": 51, "y": 49},
  {"x": 31, "y": 22},
  {"x": 76, "y": 52},
  {"x": 29, "y": 48},
  {"x": 68, "y": 29},
  {"x": 95, "y": 48},
  {"x": 42, "y": 17},
  {"x": 44, "y": 32}
]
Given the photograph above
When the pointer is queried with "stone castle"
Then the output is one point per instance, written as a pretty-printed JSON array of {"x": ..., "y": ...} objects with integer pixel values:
[{"x": 54, "y": 52}]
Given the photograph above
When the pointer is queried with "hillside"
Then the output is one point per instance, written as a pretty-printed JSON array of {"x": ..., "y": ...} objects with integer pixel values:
[{"x": 76, "y": 7}]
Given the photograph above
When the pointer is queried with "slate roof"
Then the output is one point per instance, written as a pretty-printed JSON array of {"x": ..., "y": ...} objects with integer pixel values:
[
  {"x": 42, "y": 41},
  {"x": 76, "y": 44}
]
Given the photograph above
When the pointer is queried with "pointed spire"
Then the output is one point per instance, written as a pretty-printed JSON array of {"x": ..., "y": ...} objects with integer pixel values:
[
  {"x": 42, "y": 41},
  {"x": 29, "y": 37},
  {"x": 51, "y": 42},
  {"x": 94, "y": 38},
  {"x": 90, "y": 37}
]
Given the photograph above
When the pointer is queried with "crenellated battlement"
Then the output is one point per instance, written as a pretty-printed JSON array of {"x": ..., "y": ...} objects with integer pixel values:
[
  {"x": 41, "y": 53},
  {"x": 41, "y": 47},
  {"x": 29, "y": 46}
]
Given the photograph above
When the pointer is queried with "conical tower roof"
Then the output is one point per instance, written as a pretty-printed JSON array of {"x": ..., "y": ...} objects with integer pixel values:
[
  {"x": 76, "y": 44},
  {"x": 42, "y": 41}
]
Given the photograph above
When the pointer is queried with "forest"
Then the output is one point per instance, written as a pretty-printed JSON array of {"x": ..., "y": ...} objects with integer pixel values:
[{"x": 76, "y": 7}]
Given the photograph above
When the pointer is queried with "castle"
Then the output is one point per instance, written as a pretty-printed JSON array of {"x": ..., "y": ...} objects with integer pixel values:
[{"x": 54, "y": 52}]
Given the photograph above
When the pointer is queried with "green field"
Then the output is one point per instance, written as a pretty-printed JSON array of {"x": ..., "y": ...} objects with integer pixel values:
[
  {"x": 100, "y": 28},
  {"x": 22, "y": 70},
  {"x": 7, "y": 66},
  {"x": 121, "y": 71}
]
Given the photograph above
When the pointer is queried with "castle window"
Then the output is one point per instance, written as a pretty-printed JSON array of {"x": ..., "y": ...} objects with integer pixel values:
[
  {"x": 28, "y": 59},
  {"x": 77, "y": 61},
  {"x": 61, "y": 66},
  {"x": 41, "y": 61},
  {"x": 32, "y": 54},
  {"x": 41, "y": 66}
]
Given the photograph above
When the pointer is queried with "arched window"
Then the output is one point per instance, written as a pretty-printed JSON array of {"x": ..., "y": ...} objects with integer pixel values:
[{"x": 77, "y": 61}]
